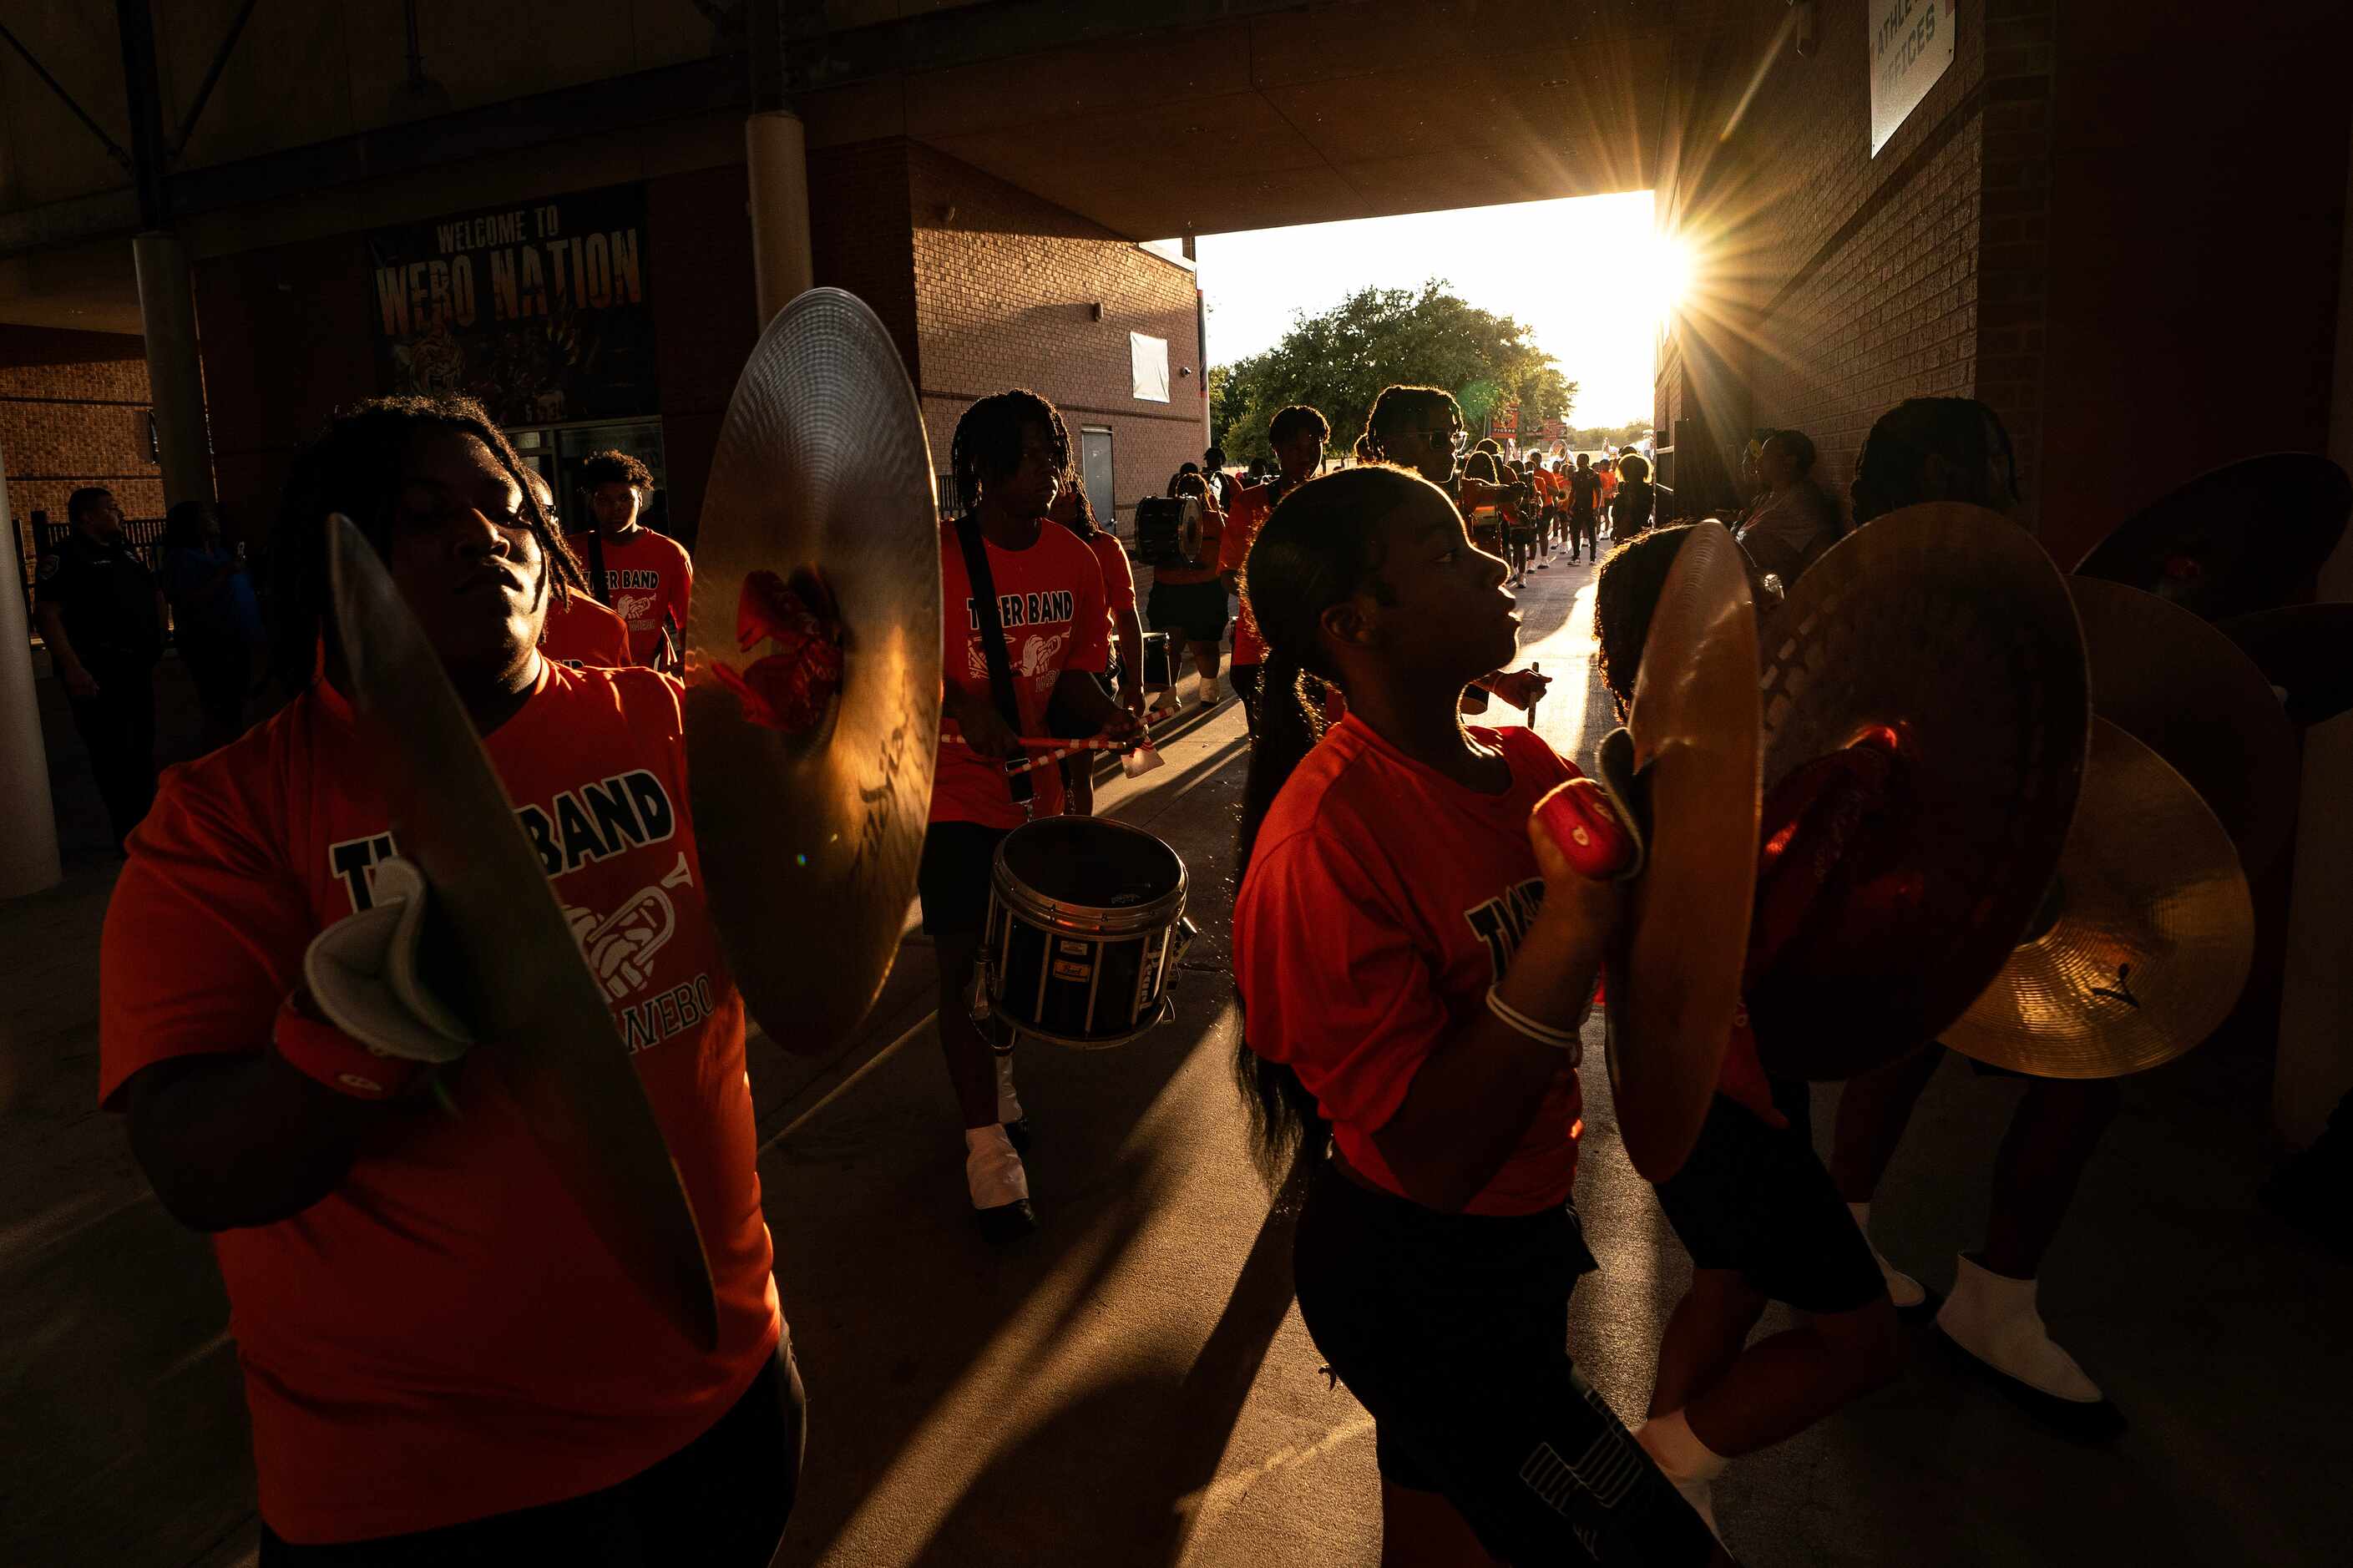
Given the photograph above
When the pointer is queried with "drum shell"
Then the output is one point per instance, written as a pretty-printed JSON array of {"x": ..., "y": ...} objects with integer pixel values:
[
  {"x": 1159, "y": 666},
  {"x": 1075, "y": 975},
  {"x": 1168, "y": 531}
]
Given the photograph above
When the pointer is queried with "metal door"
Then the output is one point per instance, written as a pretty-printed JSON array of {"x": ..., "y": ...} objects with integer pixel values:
[{"x": 1094, "y": 472}]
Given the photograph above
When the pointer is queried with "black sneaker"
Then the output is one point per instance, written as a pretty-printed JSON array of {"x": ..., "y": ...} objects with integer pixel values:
[{"x": 1007, "y": 1221}]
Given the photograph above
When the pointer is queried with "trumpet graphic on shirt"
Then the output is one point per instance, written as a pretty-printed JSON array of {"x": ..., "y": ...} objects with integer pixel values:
[{"x": 621, "y": 947}]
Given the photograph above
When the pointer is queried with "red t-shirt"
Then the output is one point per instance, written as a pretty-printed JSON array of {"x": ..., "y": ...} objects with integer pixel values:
[
  {"x": 1050, "y": 597},
  {"x": 1383, "y": 900},
  {"x": 649, "y": 574},
  {"x": 1118, "y": 576},
  {"x": 580, "y": 631},
  {"x": 1252, "y": 507},
  {"x": 443, "y": 1337}
]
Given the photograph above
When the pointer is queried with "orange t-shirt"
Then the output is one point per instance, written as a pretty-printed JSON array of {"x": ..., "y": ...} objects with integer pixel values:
[
  {"x": 443, "y": 1337},
  {"x": 1050, "y": 598},
  {"x": 1252, "y": 507},
  {"x": 649, "y": 574},
  {"x": 580, "y": 631}
]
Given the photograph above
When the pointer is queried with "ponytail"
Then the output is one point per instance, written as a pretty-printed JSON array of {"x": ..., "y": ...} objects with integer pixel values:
[{"x": 1319, "y": 548}]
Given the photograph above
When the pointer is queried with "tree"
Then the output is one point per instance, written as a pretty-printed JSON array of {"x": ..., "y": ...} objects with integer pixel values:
[{"x": 1339, "y": 361}]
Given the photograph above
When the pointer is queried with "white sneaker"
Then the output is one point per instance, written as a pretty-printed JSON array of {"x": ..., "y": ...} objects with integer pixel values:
[
  {"x": 1994, "y": 1319},
  {"x": 1904, "y": 1291},
  {"x": 1211, "y": 694}
]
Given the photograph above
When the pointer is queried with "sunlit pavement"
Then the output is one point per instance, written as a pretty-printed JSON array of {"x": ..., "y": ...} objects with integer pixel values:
[{"x": 1132, "y": 1386}]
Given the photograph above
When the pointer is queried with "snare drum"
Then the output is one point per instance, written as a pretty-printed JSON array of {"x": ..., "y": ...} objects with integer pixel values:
[
  {"x": 1168, "y": 531},
  {"x": 1086, "y": 924}
]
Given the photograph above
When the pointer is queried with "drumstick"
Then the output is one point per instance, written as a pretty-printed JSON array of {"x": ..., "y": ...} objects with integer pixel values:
[{"x": 1056, "y": 750}]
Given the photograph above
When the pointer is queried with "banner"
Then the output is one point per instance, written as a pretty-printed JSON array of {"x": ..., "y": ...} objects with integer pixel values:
[{"x": 540, "y": 311}]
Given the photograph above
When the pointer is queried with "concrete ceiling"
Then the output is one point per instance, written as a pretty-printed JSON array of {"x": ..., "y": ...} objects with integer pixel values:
[{"x": 1304, "y": 115}]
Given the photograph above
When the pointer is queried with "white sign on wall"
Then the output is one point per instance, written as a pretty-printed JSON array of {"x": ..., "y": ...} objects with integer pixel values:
[
  {"x": 1911, "y": 47},
  {"x": 1148, "y": 362}
]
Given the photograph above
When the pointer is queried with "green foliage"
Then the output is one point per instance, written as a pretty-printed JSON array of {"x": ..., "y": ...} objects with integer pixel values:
[
  {"x": 1593, "y": 438},
  {"x": 1339, "y": 361}
]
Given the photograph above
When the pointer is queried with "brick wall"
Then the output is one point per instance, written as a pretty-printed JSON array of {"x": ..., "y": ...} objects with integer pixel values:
[
  {"x": 1867, "y": 269},
  {"x": 73, "y": 411},
  {"x": 1004, "y": 285}
]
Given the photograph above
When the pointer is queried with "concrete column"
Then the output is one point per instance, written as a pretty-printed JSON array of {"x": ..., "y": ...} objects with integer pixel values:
[
  {"x": 2316, "y": 1045},
  {"x": 176, "y": 376},
  {"x": 28, "y": 850},
  {"x": 777, "y": 163}
]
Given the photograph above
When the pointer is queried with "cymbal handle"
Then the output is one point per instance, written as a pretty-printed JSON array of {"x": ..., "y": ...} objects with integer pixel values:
[{"x": 1584, "y": 827}]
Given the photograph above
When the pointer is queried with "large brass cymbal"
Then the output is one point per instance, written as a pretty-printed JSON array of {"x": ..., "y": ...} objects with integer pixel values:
[
  {"x": 2246, "y": 537},
  {"x": 1943, "y": 635},
  {"x": 2306, "y": 650},
  {"x": 811, "y": 840},
  {"x": 523, "y": 987},
  {"x": 1694, "y": 722},
  {"x": 2150, "y": 937},
  {"x": 2182, "y": 688}
]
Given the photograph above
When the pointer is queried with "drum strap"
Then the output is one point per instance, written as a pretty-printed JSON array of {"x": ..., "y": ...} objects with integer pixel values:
[
  {"x": 992, "y": 641},
  {"x": 596, "y": 567}
]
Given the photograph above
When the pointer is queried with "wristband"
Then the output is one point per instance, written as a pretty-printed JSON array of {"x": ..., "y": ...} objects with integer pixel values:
[
  {"x": 1519, "y": 1023},
  {"x": 324, "y": 1054}
]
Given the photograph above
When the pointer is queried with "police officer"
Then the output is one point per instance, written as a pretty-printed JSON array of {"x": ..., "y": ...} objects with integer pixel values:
[{"x": 101, "y": 614}]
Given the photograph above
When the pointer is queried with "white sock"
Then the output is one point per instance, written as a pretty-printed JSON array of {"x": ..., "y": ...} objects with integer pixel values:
[
  {"x": 992, "y": 1171},
  {"x": 1677, "y": 1450},
  {"x": 1689, "y": 1465},
  {"x": 1008, "y": 1104}
]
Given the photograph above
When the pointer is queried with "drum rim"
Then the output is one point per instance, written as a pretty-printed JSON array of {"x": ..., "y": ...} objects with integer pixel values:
[
  {"x": 1090, "y": 920},
  {"x": 1162, "y": 1010}
]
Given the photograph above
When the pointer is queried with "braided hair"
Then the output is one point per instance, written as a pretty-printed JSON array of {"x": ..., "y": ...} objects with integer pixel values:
[
  {"x": 1892, "y": 470},
  {"x": 1319, "y": 548},
  {"x": 1625, "y": 595},
  {"x": 987, "y": 441},
  {"x": 354, "y": 466}
]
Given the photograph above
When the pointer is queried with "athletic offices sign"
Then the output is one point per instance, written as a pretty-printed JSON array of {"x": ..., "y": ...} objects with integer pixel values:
[
  {"x": 1911, "y": 47},
  {"x": 539, "y": 309}
]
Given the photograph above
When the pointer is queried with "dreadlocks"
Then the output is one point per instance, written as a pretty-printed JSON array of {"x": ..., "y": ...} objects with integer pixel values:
[
  {"x": 1963, "y": 434},
  {"x": 354, "y": 467},
  {"x": 987, "y": 442}
]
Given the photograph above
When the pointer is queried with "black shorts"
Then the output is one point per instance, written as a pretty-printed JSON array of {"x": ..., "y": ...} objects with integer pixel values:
[
  {"x": 1197, "y": 610},
  {"x": 1756, "y": 1198},
  {"x": 952, "y": 883},
  {"x": 722, "y": 1499},
  {"x": 1452, "y": 1330}
]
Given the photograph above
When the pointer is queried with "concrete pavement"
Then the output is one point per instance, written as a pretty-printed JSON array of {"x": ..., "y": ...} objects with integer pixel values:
[{"x": 1132, "y": 1384}]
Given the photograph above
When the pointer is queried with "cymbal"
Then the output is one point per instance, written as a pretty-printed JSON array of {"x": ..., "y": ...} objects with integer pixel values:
[
  {"x": 2306, "y": 650},
  {"x": 1942, "y": 636},
  {"x": 547, "y": 1033},
  {"x": 2146, "y": 944},
  {"x": 2246, "y": 537},
  {"x": 810, "y": 839},
  {"x": 2184, "y": 688},
  {"x": 1694, "y": 723}
]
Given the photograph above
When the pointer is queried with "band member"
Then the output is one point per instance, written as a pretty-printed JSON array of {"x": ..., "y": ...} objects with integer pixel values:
[
  {"x": 443, "y": 1363},
  {"x": 1752, "y": 1204},
  {"x": 579, "y": 632},
  {"x": 1008, "y": 455},
  {"x": 1190, "y": 602},
  {"x": 1583, "y": 510},
  {"x": 1795, "y": 520},
  {"x": 1630, "y": 509},
  {"x": 101, "y": 616},
  {"x": 1072, "y": 510},
  {"x": 1421, "y": 428},
  {"x": 1413, "y": 963},
  {"x": 646, "y": 577},
  {"x": 1956, "y": 448},
  {"x": 1605, "y": 471},
  {"x": 1298, "y": 435}
]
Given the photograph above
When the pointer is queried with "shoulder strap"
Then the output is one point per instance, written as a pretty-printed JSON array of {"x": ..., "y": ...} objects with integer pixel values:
[
  {"x": 992, "y": 639},
  {"x": 596, "y": 568}
]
